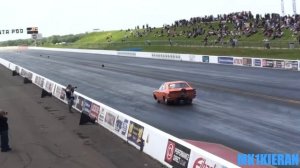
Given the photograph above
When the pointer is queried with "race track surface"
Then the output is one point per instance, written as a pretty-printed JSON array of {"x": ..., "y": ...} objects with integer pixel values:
[{"x": 251, "y": 110}]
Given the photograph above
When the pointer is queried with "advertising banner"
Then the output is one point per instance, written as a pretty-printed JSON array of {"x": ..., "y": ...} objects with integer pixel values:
[
  {"x": 247, "y": 61},
  {"x": 17, "y": 69},
  {"x": 26, "y": 74},
  {"x": 29, "y": 75},
  {"x": 49, "y": 86},
  {"x": 62, "y": 94},
  {"x": 95, "y": 109},
  {"x": 23, "y": 73},
  {"x": 225, "y": 60},
  {"x": 199, "y": 161},
  {"x": 57, "y": 92},
  {"x": 79, "y": 103},
  {"x": 121, "y": 126},
  {"x": 238, "y": 61},
  {"x": 110, "y": 119},
  {"x": 257, "y": 63},
  {"x": 292, "y": 65},
  {"x": 39, "y": 81},
  {"x": 135, "y": 133},
  {"x": 101, "y": 115},
  {"x": 268, "y": 63},
  {"x": 87, "y": 106},
  {"x": 205, "y": 59},
  {"x": 177, "y": 155},
  {"x": 279, "y": 64},
  {"x": 168, "y": 56}
]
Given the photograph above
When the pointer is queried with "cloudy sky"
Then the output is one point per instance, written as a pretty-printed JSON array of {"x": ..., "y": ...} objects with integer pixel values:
[{"x": 59, "y": 17}]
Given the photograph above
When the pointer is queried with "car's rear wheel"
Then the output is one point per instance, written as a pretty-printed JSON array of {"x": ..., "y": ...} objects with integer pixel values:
[
  {"x": 166, "y": 101},
  {"x": 188, "y": 101}
]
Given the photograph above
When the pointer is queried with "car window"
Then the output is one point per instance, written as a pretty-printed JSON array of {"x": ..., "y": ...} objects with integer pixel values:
[
  {"x": 178, "y": 85},
  {"x": 162, "y": 87}
]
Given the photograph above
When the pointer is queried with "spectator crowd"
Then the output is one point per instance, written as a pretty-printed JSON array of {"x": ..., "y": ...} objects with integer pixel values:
[{"x": 233, "y": 26}]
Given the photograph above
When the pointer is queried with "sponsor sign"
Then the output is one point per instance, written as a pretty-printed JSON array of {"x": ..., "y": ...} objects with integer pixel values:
[
  {"x": 87, "y": 106},
  {"x": 101, "y": 115},
  {"x": 247, "y": 61},
  {"x": 11, "y": 31},
  {"x": 238, "y": 61},
  {"x": 32, "y": 30},
  {"x": 177, "y": 155},
  {"x": 110, "y": 118},
  {"x": 293, "y": 65},
  {"x": 29, "y": 75},
  {"x": 17, "y": 69},
  {"x": 23, "y": 73},
  {"x": 257, "y": 62},
  {"x": 225, "y": 60},
  {"x": 121, "y": 126},
  {"x": 95, "y": 109},
  {"x": 39, "y": 81},
  {"x": 135, "y": 133},
  {"x": 205, "y": 59},
  {"x": 62, "y": 95},
  {"x": 58, "y": 91},
  {"x": 26, "y": 74},
  {"x": 79, "y": 103},
  {"x": 279, "y": 64},
  {"x": 199, "y": 161},
  {"x": 166, "y": 56},
  {"x": 268, "y": 63},
  {"x": 49, "y": 86}
]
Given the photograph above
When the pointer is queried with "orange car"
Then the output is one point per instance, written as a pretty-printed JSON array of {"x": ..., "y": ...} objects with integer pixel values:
[{"x": 174, "y": 92}]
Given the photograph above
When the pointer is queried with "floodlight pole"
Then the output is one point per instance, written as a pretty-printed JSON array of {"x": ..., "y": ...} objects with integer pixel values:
[
  {"x": 294, "y": 7},
  {"x": 282, "y": 8}
]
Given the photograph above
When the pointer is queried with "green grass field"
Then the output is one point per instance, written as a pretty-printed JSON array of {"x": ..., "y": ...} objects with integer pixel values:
[{"x": 252, "y": 46}]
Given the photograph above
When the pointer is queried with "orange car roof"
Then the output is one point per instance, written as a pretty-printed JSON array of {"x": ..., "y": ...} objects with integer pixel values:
[{"x": 170, "y": 82}]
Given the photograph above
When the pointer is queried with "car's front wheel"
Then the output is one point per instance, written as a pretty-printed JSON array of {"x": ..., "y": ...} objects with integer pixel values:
[{"x": 155, "y": 98}]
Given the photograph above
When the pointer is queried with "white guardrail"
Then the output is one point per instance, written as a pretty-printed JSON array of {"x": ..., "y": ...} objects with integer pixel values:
[
  {"x": 226, "y": 60},
  {"x": 167, "y": 149}
]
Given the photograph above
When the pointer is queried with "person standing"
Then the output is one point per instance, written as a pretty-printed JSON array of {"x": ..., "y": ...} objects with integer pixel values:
[
  {"x": 70, "y": 96},
  {"x": 4, "y": 131}
]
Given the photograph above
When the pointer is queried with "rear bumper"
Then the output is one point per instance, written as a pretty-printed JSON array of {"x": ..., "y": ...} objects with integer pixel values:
[{"x": 180, "y": 98}]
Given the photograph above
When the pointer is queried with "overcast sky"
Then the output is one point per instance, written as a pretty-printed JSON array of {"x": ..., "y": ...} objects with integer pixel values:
[{"x": 59, "y": 17}]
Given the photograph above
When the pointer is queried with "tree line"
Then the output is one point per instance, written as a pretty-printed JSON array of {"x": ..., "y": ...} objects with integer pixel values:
[{"x": 55, "y": 39}]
